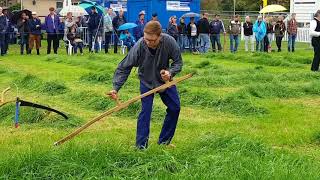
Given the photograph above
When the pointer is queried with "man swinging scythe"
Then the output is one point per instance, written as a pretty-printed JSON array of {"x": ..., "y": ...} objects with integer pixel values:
[{"x": 151, "y": 55}]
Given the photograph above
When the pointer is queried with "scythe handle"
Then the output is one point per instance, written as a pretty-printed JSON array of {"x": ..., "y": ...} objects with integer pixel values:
[{"x": 122, "y": 106}]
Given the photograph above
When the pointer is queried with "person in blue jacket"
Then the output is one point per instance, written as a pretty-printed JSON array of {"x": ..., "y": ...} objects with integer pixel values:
[
  {"x": 3, "y": 27},
  {"x": 52, "y": 24},
  {"x": 35, "y": 32},
  {"x": 128, "y": 39},
  {"x": 141, "y": 22},
  {"x": 260, "y": 30}
]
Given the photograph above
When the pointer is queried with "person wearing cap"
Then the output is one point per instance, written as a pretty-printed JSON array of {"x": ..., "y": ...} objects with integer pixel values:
[
  {"x": 260, "y": 30},
  {"x": 95, "y": 22},
  {"x": 204, "y": 31},
  {"x": 35, "y": 32},
  {"x": 138, "y": 31},
  {"x": 117, "y": 22},
  {"x": 3, "y": 28},
  {"x": 172, "y": 28},
  {"x": 315, "y": 34},
  {"x": 52, "y": 24},
  {"x": 152, "y": 54},
  {"x": 154, "y": 17}
]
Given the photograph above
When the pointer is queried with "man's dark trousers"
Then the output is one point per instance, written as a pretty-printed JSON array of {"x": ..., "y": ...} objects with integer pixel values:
[
  {"x": 171, "y": 99},
  {"x": 316, "y": 59}
]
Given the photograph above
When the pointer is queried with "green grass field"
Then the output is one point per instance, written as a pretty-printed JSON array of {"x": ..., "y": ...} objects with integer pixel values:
[{"x": 244, "y": 116}]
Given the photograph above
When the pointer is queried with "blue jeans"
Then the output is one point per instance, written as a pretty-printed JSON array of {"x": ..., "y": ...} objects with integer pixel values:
[
  {"x": 260, "y": 45},
  {"x": 24, "y": 42},
  {"x": 192, "y": 43},
  {"x": 182, "y": 42},
  {"x": 234, "y": 46},
  {"x": 204, "y": 42},
  {"x": 291, "y": 42},
  {"x": 171, "y": 99},
  {"x": 215, "y": 38}
]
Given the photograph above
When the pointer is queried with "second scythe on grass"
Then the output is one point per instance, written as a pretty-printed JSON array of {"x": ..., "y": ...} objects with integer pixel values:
[{"x": 121, "y": 106}]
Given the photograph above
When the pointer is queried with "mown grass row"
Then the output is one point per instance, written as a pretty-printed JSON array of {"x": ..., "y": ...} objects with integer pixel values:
[{"x": 209, "y": 157}]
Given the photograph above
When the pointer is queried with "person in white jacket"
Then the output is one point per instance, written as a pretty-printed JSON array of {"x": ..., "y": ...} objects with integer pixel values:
[{"x": 315, "y": 34}]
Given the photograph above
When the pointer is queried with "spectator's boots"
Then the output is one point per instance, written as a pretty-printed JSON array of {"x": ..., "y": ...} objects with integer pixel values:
[
  {"x": 38, "y": 52},
  {"x": 29, "y": 51},
  {"x": 293, "y": 49}
]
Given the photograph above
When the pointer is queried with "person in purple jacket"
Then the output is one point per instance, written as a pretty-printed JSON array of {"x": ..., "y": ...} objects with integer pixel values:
[{"x": 52, "y": 23}]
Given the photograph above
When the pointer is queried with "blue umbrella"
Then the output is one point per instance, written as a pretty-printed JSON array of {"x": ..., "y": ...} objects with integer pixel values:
[
  {"x": 190, "y": 14},
  {"x": 87, "y": 5},
  {"x": 127, "y": 26}
]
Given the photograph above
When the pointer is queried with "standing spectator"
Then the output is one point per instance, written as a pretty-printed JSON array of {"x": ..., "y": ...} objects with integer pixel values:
[
  {"x": 172, "y": 28},
  {"x": 35, "y": 32},
  {"x": 265, "y": 39},
  {"x": 204, "y": 31},
  {"x": 182, "y": 29},
  {"x": 315, "y": 34},
  {"x": 248, "y": 34},
  {"x": 216, "y": 27},
  {"x": 108, "y": 28},
  {"x": 9, "y": 31},
  {"x": 235, "y": 30},
  {"x": 138, "y": 31},
  {"x": 116, "y": 22},
  {"x": 52, "y": 24},
  {"x": 270, "y": 32},
  {"x": 154, "y": 17},
  {"x": 192, "y": 33},
  {"x": 94, "y": 23},
  {"x": 3, "y": 27},
  {"x": 23, "y": 30},
  {"x": 260, "y": 29},
  {"x": 74, "y": 37},
  {"x": 279, "y": 29},
  {"x": 292, "y": 32}
]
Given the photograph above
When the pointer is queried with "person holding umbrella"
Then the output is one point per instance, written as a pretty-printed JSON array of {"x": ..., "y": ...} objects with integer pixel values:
[
  {"x": 35, "y": 32},
  {"x": 315, "y": 34},
  {"x": 3, "y": 28},
  {"x": 23, "y": 30},
  {"x": 152, "y": 55},
  {"x": 94, "y": 23},
  {"x": 52, "y": 24},
  {"x": 192, "y": 33},
  {"x": 117, "y": 22}
]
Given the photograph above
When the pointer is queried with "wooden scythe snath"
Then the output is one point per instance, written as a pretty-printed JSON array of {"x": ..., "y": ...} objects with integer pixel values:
[{"x": 121, "y": 106}]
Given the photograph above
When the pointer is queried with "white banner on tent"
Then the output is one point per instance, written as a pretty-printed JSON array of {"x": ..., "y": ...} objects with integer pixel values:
[
  {"x": 178, "y": 6},
  {"x": 118, "y": 6}
]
